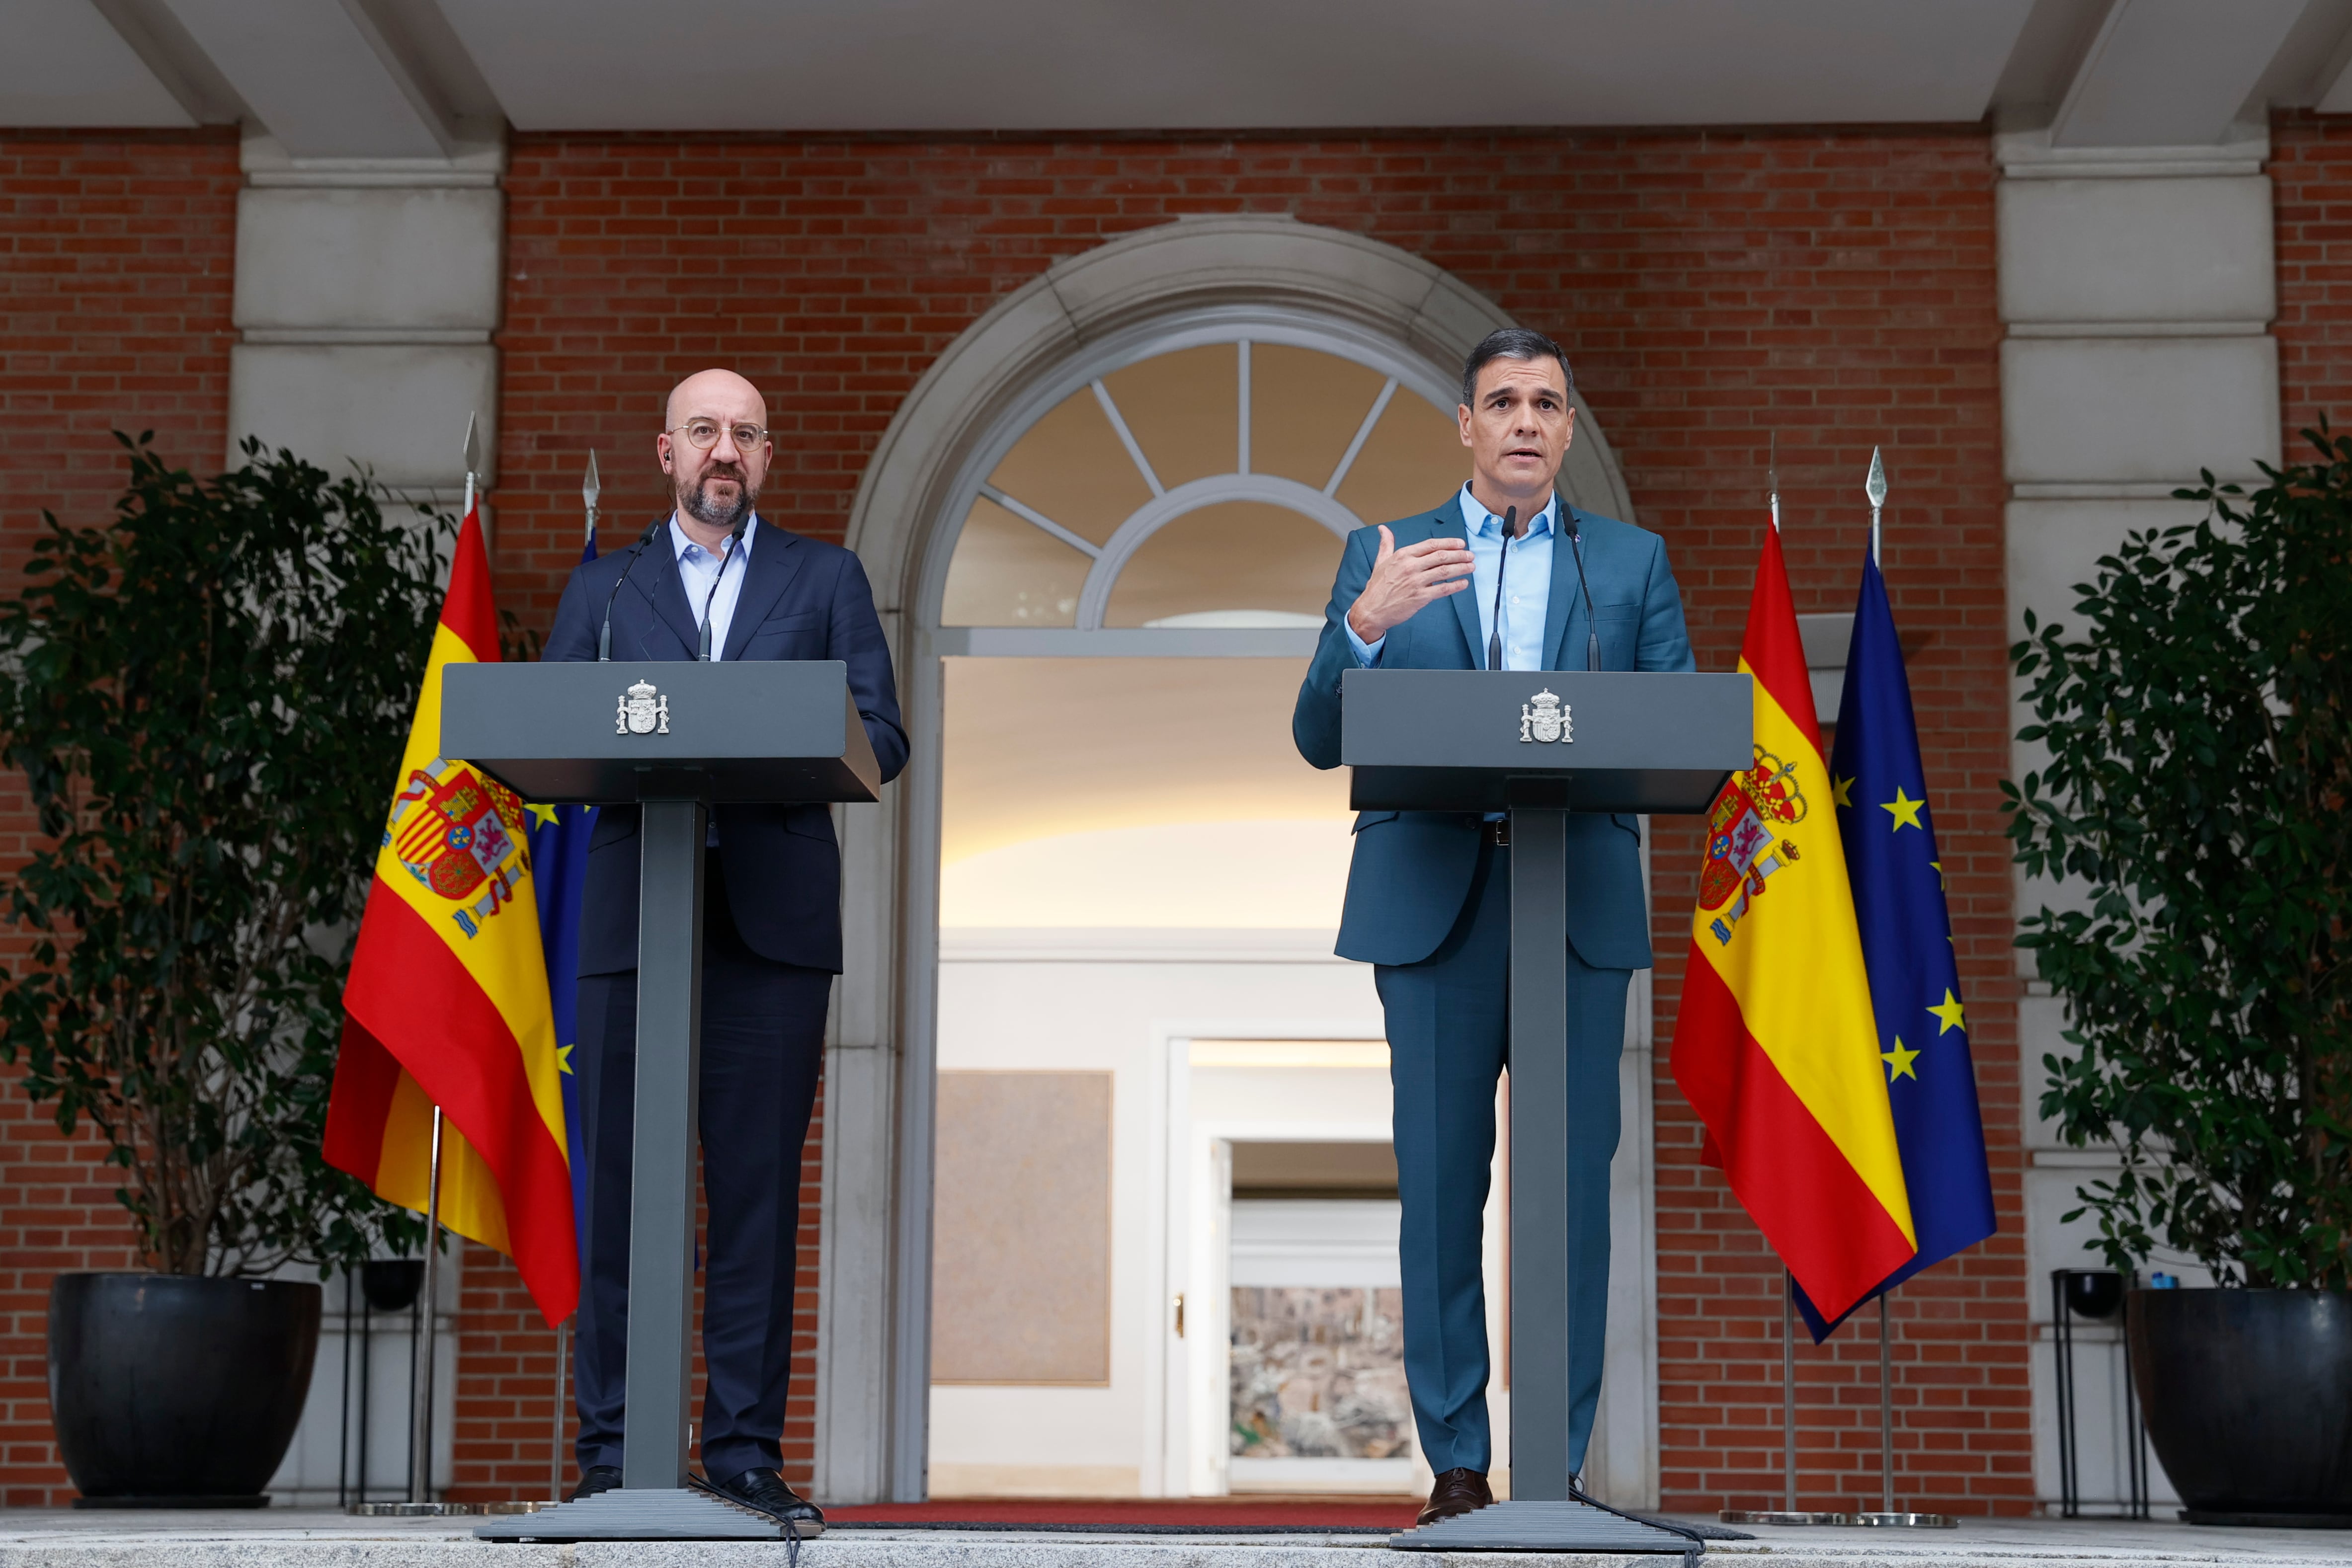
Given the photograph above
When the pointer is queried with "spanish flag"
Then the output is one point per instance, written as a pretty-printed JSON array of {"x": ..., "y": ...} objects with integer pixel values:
[
  {"x": 1776, "y": 1046},
  {"x": 447, "y": 1002}
]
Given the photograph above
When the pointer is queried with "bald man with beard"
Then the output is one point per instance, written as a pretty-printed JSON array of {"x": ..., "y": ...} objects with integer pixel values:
[{"x": 715, "y": 574}]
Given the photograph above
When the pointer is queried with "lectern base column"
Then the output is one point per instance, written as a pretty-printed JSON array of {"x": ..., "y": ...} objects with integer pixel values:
[
  {"x": 1561, "y": 1524},
  {"x": 1543, "y": 1254},
  {"x": 661, "y": 1167},
  {"x": 639, "y": 1513}
]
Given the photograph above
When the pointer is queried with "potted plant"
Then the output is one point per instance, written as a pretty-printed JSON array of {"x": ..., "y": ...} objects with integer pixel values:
[
  {"x": 204, "y": 699},
  {"x": 2199, "y": 796}
]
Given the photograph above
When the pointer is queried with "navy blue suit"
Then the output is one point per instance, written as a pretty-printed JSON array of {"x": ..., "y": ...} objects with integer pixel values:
[
  {"x": 1429, "y": 903},
  {"x": 771, "y": 944}
]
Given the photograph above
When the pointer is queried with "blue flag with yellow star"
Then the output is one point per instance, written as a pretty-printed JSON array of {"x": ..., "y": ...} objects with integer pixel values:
[
  {"x": 1889, "y": 834},
  {"x": 559, "y": 860}
]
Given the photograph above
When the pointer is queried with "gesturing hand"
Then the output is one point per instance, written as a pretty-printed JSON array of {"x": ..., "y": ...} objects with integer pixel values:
[{"x": 1402, "y": 581}]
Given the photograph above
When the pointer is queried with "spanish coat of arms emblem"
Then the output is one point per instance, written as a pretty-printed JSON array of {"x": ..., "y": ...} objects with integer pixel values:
[
  {"x": 1546, "y": 719},
  {"x": 642, "y": 711},
  {"x": 460, "y": 834},
  {"x": 1747, "y": 816}
]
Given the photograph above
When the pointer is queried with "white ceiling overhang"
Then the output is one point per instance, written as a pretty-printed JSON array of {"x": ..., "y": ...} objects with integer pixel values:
[
  {"x": 406, "y": 79},
  {"x": 1228, "y": 64}
]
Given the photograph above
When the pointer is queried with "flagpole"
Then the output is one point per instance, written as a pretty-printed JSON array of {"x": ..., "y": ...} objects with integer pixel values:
[
  {"x": 1788, "y": 1360},
  {"x": 1772, "y": 493},
  {"x": 420, "y": 1414},
  {"x": 555, "y": 1448},
  {"x": 1885, "y": 1409}
]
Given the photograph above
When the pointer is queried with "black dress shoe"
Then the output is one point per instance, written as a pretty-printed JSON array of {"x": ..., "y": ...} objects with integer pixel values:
[
  {"x": 765, "y": 1490},
  {"x": 1456, "y": 1491},
  {"x": 594, "y": 1480}
]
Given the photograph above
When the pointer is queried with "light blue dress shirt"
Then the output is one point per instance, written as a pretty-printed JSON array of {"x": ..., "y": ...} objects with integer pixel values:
[
  {"x": 1527, "y": 586},
  {"x": 697, "y": 568}
]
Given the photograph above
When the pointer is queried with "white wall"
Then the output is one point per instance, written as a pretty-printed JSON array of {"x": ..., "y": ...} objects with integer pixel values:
[{"x": 1117, "y": 999}]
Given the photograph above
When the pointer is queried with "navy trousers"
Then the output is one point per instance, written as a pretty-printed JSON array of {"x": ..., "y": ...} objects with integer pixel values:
[
  {"x": 762, "y": 1045},
  {"x": 1448, "y": 1023}
]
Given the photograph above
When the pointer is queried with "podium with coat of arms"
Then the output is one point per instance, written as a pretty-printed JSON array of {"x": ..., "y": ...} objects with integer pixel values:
[
  {"x": 672, "y": 739},
  {"x": 1538, "y": 744}
]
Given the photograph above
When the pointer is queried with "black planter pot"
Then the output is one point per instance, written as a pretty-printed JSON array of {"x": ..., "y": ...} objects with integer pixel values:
[
  {"x": 2249, "y": 1402},
  {"x": 170, "y": 1391}
]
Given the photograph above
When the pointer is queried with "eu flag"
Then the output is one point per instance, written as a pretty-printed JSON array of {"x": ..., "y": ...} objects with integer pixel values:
[
  {"x": 1881, "y": 792},
  {"x": 559, "y": 860}
]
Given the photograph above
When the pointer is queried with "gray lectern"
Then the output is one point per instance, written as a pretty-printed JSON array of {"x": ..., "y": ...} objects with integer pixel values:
[
  {"x": 1539, "y": 744},
  {"x": 673, "y": 740}
]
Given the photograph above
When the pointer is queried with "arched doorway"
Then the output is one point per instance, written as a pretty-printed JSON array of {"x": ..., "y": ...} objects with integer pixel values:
[{"x": 1120, "y": 495}]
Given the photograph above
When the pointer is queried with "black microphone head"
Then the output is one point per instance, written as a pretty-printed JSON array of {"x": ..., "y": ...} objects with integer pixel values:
[{"x": 1510, "y": 522}]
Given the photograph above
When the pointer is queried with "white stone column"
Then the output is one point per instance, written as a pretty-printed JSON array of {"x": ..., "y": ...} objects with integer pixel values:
[
  {"x": 366, "y": 293},
  {"x": 367, "y": 290},
  {"x": 2137, "y": 285}
]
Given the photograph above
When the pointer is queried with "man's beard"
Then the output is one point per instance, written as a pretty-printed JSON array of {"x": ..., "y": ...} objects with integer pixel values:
[{"x": 697, "y": 503}]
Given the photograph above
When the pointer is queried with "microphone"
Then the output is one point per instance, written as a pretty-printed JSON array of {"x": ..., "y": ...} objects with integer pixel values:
[
  {"x": 604, "y": 635},
  {"x": 1495, "y": 622},
  {"x": 1592, "y": 627},
  {"x": 702, "y": 654}
]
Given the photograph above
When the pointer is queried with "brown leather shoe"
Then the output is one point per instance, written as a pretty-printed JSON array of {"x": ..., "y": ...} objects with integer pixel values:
[{"x": 1457, "y": 1491}]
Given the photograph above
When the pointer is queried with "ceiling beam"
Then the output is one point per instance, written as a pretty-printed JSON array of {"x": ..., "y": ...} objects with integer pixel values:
[
  {"x": 2172, "y": 73},
  {"x": 324, "y": 77}
]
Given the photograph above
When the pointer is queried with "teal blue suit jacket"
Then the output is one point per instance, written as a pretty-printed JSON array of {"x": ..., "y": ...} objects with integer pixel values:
[{"x": 1411, "y": 874}]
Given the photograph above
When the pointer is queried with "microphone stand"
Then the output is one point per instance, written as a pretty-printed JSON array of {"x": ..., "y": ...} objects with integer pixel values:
[
  {"x": 1592, "y": 626},
  {"x": 1494, "y": 621},
  {"x": 702, "y": 654},
  {"x": 637, "y": 552}
]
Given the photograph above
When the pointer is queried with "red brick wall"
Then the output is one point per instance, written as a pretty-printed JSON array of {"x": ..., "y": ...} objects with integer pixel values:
[
  {"x": 115, "y": 266},
  {"x": 1837, "y": 289},
  {"x": 2311, "y": 174},
  {"x": 1712, "y": 289}
]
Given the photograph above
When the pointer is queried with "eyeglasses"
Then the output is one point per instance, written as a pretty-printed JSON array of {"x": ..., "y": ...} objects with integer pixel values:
[{"x": 704, "y": 433}]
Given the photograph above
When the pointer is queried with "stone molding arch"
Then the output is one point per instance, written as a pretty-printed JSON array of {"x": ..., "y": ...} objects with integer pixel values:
[{"x": 1169, "y": 271}]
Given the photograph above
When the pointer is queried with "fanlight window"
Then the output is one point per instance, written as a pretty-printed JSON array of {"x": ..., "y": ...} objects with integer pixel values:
[{"x": 1206, "y": 487}]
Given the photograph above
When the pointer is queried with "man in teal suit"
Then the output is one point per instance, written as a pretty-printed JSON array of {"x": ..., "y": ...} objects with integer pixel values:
[{"x": 1429, "y": 891}]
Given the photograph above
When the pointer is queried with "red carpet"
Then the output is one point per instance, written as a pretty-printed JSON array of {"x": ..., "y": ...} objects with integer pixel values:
[{"x": 1210, "y": 1512}]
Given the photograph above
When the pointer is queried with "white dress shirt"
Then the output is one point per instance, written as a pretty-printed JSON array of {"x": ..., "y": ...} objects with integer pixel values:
[
  {"x": 697, "y": 568},
  {"x": 698, "y": 571},
  {"x": 1527, "y": 586}
]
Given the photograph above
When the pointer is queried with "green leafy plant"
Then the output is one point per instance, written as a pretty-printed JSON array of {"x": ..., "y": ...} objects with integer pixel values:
[
  {"x": 2199, "y": 790},
  {"x": 208, "y": 700}
]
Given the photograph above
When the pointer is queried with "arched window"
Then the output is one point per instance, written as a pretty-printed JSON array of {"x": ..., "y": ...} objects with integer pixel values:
[{"x": 1199, "y": 484}]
